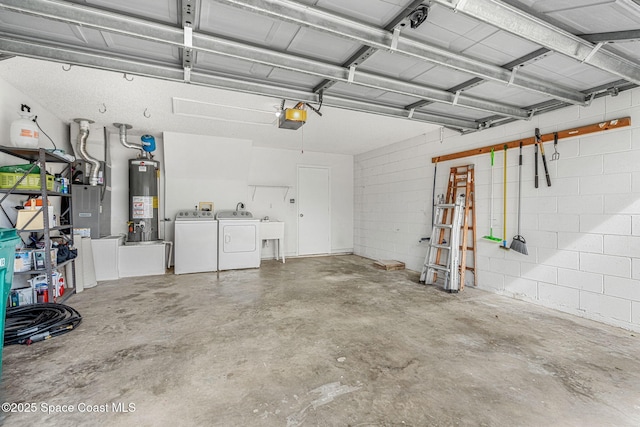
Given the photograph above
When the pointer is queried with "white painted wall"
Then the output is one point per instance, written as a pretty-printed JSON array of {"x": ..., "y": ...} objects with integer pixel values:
[
  {"x": 225, "y": 170},
  {"x": 202, "y": 168},
  {"x": 393, "y": 202},
  {"x": 280, "y": 167},
  {"x": 10, "y": 103},
  {"x": 583, "y": 232},
  {"x": 262, "y": 166}
]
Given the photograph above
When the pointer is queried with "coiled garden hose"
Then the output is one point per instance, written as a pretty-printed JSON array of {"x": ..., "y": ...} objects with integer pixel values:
[{"x": 37, "y": 322}]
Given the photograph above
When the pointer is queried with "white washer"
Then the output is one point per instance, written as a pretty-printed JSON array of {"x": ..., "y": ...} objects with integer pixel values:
[
  {"x": 238, "y": 240},
  {"x": 196, "y": 242}
]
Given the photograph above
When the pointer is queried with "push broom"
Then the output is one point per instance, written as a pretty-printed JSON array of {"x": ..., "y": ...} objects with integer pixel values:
[
  {"x": 518, "y": 243},
  {"x": 490, "y": 236}
]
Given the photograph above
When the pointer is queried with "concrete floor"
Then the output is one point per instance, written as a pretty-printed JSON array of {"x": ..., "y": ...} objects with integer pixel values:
[{"x": 327, "y": 341}]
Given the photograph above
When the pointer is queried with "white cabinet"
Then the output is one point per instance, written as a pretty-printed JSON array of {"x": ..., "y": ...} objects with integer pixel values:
[
  {"x": 105, "y": 257},
  {"x": 141, "y": 260}
]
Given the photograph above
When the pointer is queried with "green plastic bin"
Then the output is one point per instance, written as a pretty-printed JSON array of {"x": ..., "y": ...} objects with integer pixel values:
[{"x": 9, "y": 239}]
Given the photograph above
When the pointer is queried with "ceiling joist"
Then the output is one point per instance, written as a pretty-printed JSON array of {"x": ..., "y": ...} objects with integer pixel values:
[
  {"x": 612, "y": 36},
  {"x": 365, "y": 52},
  {"x": 139, "y": 28},
  {"x": 365, "y": 38},
  {"x": 609, "y": 89},
  {"x": 508, "y": 18},
  {"x": 134, "y": 66},
  {"x": 314, "y": 67},
  {"x": 379, "y": 38},
  {"x": 188, "y": 15},
  {"x": 476, "y": 80}
]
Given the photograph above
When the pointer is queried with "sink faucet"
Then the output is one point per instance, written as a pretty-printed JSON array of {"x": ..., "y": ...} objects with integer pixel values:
[{"x": 239, "y": 206}]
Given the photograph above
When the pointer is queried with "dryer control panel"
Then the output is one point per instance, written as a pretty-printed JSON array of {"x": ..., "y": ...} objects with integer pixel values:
[{"x": 234, "y": 215}]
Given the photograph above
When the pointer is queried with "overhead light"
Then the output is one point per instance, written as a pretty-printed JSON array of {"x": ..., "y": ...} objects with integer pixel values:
[{"x": 291, "y": 118}]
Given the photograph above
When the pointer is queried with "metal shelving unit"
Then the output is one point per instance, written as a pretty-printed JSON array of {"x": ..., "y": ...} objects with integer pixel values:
[{"x": 41, "y": 157}]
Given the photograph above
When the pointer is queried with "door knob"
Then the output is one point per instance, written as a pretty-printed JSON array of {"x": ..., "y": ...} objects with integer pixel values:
[{"x": 301, "y": 215}]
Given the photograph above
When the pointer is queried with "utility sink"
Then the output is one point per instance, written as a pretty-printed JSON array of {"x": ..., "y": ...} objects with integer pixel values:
[{"x": 273, "y": 230}]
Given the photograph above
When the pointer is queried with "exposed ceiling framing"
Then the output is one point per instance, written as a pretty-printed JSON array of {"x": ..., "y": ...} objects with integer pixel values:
[
  {"x": 384, "y": 40},
  {"x": 366, "y": 50},
  {"x": 529, "y": 27},
  {"x": 466, "y": 64}
]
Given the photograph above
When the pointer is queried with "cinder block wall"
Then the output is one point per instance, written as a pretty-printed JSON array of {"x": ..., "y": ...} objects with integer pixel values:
[{"x": 582, "y": 233}]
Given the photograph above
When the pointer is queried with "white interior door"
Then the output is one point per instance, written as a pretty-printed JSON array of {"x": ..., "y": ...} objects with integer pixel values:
[{"x": 314, "y": 211}]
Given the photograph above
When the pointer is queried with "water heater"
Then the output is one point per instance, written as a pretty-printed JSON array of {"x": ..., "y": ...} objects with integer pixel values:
[{"x": 143, "y": 200}]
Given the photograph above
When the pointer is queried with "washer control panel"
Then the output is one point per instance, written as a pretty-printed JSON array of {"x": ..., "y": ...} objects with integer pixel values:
[{"x": 194, "y": 215}]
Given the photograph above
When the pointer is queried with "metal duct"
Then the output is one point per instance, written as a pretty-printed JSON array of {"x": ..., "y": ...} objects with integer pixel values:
[
  {"x": 81, "y": 146},
  {"x": 123, "y": 139}
]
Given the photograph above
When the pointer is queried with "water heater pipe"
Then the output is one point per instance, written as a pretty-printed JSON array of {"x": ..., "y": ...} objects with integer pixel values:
[
  {"x": 81, "y": 145},
  {"x": 123, "y": 138}
]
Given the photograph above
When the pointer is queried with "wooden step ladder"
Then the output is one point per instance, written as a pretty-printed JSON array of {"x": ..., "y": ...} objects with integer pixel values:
[
  {"x": 462, "y": 182},
  {"x": 461, "y": 186}
]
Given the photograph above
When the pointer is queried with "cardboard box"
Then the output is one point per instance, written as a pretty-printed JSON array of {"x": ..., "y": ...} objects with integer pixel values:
[
  {"x": 38, "y": 258},
  {"x": 23, "y": 261},
  {"x": 25, "y": 215}
]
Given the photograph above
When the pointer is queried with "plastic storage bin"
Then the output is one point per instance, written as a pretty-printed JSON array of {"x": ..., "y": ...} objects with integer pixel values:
[
  {"x": 30, "y": 182},
  {"x": 9, "y": 239}
]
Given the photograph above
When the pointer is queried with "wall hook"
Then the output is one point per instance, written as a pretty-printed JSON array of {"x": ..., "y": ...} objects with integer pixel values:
[
  {"x": 126, "y": 78},
  {"x": 146, "y": 113},
  {"x": 103, "y": 109},
  {"x": 66, "y": 69}
]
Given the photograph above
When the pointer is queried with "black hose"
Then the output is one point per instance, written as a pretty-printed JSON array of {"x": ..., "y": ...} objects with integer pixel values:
[
  {"x": 36, "y": 322},
  {"x": 35, "y": 120}
]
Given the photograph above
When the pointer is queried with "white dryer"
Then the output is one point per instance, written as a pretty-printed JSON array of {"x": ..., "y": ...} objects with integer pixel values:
[
  {"x": 196, "y": 242},
  {"x": 238, "y": 240}
]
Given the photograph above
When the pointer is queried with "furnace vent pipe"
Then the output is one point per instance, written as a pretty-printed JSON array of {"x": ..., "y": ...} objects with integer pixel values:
[
  {"x": 81, "y": 146},
  {"x": 123, "y": 138}
]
